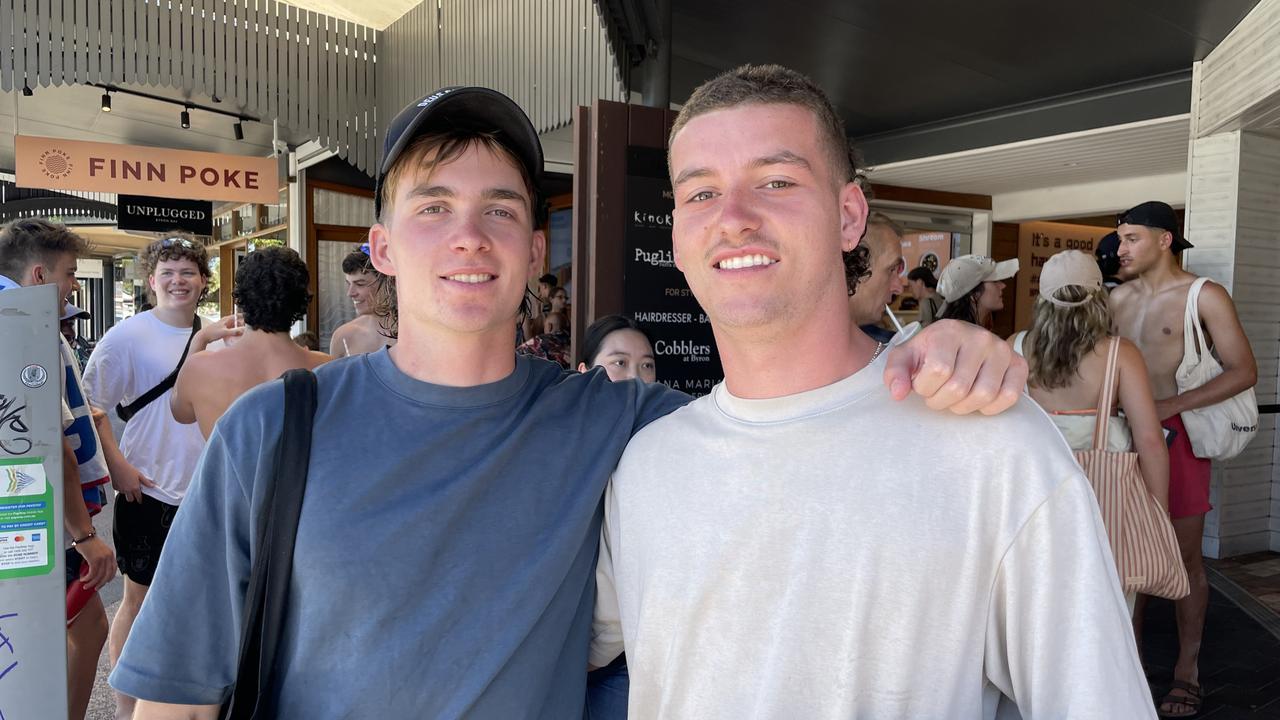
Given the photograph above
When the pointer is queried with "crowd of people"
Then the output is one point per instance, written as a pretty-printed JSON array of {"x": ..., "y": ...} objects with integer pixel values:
[{"x": 782, "y": 547}]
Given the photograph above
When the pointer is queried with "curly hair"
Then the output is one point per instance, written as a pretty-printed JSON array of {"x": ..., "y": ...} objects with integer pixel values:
[
  {"x": 178, "y": 246},
  {"x": 30, "y": 241},
  {"x": 1060, "y": 337},
  {"x": 271, "y": 289}
]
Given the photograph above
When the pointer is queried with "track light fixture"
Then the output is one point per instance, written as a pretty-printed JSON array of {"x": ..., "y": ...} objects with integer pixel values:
[
  {"x": 106, "y": 102},
  {"x": 186, "y": 119},
  {"x": 239, "y": 130}
]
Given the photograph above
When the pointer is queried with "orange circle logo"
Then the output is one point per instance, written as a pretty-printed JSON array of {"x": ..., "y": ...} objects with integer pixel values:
[{"x": 55, "y": 164}]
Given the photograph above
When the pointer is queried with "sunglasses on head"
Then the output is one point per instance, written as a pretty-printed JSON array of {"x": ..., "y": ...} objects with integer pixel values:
[{"x": 182, "y": 242}]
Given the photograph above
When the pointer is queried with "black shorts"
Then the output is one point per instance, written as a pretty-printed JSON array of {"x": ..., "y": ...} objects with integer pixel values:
[
  {"x": 74, "y": 564},
  {"x": 140, "y": 530}
]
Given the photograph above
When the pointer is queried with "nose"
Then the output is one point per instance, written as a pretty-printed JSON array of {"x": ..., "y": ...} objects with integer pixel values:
[
  {"x": 738, "y": 216},
  {"x": 896, "y": 286},
  {"x": 469, "y": 237}
]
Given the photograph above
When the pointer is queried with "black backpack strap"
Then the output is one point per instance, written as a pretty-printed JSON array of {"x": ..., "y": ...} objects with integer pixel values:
[
  {"x": 276, "y": 528},
  {"x": 126, "y": 412}
]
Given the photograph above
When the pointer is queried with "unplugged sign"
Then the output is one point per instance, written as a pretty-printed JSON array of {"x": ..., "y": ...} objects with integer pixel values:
[{"x": 54, "y": 164}]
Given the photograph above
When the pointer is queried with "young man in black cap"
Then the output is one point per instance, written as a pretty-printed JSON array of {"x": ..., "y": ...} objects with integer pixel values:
[
  {"x": 433, "y": 576},
  {"x": 1149, "y": 310}
]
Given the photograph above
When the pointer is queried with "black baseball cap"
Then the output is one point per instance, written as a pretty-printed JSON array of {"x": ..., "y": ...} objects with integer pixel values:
[
  {"x": 474, "y": 109},
  {"x": 1156, "y": 214}
]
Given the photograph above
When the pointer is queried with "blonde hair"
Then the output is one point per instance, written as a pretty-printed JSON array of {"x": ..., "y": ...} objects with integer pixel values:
[{"x": 1061, "y": 337}]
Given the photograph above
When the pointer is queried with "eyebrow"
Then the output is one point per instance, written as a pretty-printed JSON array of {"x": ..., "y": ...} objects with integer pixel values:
[
  {"x": 782, "y": 157},
  {"x": 442, "y": 191}
]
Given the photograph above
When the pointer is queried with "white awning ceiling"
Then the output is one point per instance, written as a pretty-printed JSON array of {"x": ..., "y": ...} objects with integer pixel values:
[{"x": 377, "y": 14}]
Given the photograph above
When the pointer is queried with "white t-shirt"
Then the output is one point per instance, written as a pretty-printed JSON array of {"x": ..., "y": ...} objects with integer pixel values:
[
  {"x": 807, "y": 557},
  {"x": 133, "y": 357}
]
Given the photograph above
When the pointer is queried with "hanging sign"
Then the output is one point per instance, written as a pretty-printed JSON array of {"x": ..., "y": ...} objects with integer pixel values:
[
  {"x": 54, "y": 164},
  {"x": 153, "y": 214}
]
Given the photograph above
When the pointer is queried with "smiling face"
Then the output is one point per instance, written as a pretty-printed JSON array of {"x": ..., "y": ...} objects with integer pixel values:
[
  {"x": 760, "y": 220},
  {"x": 177, "y": 284},
  {"x": 460, "y": 242},
  {"x": 360, "y": 290}
]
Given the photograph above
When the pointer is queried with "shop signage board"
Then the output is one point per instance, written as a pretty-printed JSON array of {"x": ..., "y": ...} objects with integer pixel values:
[
  {"x": 89, "y": 268},
  {"x": 55, "y": 164},
  {"x": 1037, "y": 242},
  {"x": 156, "y": 214},
  {"x": 33, "y": 659},
  {"x": 654, "y": 291}
]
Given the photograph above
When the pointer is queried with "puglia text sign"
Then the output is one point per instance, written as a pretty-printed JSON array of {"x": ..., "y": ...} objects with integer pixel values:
[{"x": 54, "y": 164}]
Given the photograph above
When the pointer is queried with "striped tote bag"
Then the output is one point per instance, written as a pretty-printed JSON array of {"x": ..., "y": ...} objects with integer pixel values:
[{"x": 1141, "y": 537}]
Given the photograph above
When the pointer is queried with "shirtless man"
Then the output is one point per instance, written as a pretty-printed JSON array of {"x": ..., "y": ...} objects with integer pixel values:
[
  {"x": 365, "y": 333},
  {"x": 1149, "y": 311},
  {"x": 271, "y": 290}
]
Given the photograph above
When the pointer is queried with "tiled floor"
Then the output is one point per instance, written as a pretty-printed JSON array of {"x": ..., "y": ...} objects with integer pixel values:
[
  {"x": 1240, "y": 658},
  {"x": 1258, "y": 573}
]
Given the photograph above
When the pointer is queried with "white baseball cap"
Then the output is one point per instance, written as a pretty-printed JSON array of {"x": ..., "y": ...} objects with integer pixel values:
[
  {"x": 966, "y": 272},
  {"x": 1071, "y": 268}
]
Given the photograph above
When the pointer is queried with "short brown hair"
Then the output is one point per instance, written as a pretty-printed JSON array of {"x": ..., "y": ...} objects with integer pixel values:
[
  {"x": 30, "y": 241},
  {"x": 768, "y": 85},
  {"x": 177, "y": 246},
  {"x": 429, "y": 151}
]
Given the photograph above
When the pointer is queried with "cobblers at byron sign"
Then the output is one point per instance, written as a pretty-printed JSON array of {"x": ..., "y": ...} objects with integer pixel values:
[
  {"x": 654, "y": 290},
  {"x": 152, "y": 214},
  {"x": 54, "y": 164}
]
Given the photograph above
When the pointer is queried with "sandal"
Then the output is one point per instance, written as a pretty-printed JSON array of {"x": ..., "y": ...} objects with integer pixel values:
[{"x": 1192, "y": 698}]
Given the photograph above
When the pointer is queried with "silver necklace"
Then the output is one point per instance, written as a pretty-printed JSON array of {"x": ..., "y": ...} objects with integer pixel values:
[{"x": 879, "y": 348}]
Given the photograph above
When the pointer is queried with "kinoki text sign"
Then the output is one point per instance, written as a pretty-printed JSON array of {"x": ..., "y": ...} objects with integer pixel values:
[{"x": 54, "y": 164}]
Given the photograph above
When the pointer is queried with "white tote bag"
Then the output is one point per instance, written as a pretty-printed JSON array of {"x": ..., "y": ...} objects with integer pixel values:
[{"x": 1220, "y": 431}]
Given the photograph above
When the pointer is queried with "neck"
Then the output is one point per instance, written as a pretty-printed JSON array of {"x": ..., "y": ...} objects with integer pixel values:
[
  {"x": 175, "y": 316},
  {"x": 810, "y": 353},
  {"x": 983, "y": 316},
  {"x": 1163, "y": 274},
  {"x": 253, "y": 337},
  {"x": 442, "y": 357}
]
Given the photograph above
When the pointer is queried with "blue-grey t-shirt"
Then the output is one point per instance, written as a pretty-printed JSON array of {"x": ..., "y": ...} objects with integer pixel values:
[{"x": 445, "y": 559}]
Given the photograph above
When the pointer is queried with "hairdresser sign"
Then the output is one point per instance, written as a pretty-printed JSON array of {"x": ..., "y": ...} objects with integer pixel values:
[{"x": 54, "y": 164}]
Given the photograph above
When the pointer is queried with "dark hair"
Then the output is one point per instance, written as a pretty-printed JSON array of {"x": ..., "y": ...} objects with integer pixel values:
[
  {"x": 271, "y": 289},
  {"x": 768, "y": 85},
  {"x": 549, "y": 280},
  {"x": 594, "y": 337},
  {"x": 924, "y": 275},
  {"x": 308, "y": 340},
  {"x": 33, "y": 241},
  {"x": 857, "y": 266},
  {"x": 356, "y": 262},
  {"x": 966, "y": 308}
]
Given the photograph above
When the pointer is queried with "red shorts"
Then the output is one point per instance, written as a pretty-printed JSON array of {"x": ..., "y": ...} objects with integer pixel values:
[{"x": 1188, "y": 475}]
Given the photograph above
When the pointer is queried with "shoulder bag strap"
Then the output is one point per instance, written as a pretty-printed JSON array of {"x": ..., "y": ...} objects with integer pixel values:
[
  {"x": 1193, "y": 339},
  {"x": 126, "y": 412},
  {"x": 276, "y": 527},
  {"x": 1106, "y": 397}
]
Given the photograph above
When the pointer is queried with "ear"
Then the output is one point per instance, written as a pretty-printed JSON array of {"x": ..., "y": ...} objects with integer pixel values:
[
  {"x": 151, "y": 282},
  {"x": 38, "y": 275},
  {"x": 380, "y": 253},
  {"x": 537, "y": 254},
  {"x": 1166, "y": 239},
  {"x": 582, "y": 367},
  {"x": 853, "y": 216}
]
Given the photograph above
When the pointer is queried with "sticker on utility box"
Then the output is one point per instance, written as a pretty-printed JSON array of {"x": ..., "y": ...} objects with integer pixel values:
[{"x": 26, "y": 518}]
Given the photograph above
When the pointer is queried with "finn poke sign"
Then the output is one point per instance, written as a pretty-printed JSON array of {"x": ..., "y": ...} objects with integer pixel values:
[{"x": 54, "y": 164}]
